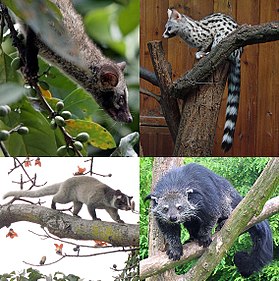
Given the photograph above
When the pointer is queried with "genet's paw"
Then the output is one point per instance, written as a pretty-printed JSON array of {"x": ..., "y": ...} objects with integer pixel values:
[
  {"x": 204, "y": 241},
  {"x": 175, "y": 253}
]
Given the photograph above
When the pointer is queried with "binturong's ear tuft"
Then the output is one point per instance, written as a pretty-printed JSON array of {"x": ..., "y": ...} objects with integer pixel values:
[
  {"x": 122, "y": 65},
  {"x": 109, "y": 76},
  {"x": 151, "y": 197}
]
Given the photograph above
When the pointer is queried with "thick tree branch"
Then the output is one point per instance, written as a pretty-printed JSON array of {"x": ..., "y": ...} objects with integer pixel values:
[
  {"x": 244, "y": 35},
  {"x": 66, "y": 226},
  {"x": 160, "y": 263},
  {"x": 168, "y": 103}
]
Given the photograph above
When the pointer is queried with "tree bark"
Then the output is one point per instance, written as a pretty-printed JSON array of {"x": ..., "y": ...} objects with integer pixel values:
[
  {"x": 66, "y": 226},
  {"x": 168, "y": 103},
  {"x": 199, "y": 117}
]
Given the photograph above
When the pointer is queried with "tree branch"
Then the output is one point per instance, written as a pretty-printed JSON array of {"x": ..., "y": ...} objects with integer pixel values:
[
  {"x": 149, "y": 76},
  {"x": 168, "y": 103},
  {"x": 66, "y": 226},
  {"x": 160, "y": 263},
  {"x": 244, "y": 35}
]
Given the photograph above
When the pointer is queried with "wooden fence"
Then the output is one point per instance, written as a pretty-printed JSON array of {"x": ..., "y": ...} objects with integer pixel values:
[{"x": 257, "y": 130}]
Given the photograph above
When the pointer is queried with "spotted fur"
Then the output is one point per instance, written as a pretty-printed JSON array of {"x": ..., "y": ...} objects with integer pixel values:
[{"x": 205, "y": 35}]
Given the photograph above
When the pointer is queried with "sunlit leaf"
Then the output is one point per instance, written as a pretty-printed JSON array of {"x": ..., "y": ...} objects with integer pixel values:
[
  {"x": 126, "y": 145},
  {"x": 99, "y": 136},
  {"x": 11, "y": 92},
  {"x": 129, "y": 17}
]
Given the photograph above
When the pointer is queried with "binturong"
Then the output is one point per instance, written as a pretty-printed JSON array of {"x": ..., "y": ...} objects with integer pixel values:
[{"x": 199, "y": 199}]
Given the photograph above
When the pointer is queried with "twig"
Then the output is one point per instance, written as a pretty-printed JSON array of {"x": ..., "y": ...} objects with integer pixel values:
[{"x": 150, "y": 94}]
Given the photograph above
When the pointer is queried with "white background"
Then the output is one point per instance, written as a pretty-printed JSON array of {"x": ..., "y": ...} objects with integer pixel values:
[{"x": 30, "y": 248}]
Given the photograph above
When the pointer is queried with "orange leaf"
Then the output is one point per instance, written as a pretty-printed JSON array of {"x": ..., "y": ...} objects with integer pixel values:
[
  {"x": 45, "y": 93},
  {"x": 38, "y": 162},
  {"x": 12, "y": 234},
  {"x": 58, "y": 249},
  {"x": 100, "y": 243}
]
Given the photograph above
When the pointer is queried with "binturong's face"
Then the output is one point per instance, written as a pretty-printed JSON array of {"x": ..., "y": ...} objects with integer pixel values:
[{"x": 173, "y": 208}]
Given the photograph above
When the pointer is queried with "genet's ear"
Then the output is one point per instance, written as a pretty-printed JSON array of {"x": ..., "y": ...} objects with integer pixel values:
[
  {"x": 176, "y": 15},
  {"x": 122, "y": 65},
  {"x": 169, "y": 13},
  {"x": 109, "y": 76}
]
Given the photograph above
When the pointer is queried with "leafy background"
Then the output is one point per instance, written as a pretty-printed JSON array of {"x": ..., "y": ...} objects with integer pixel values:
[
  {"x": 242, "y": 173},
  {"x": 114, "y": 26}
]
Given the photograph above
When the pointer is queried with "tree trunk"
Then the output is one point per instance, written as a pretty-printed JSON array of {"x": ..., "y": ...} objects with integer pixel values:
[{"x": 161, "y": 166}]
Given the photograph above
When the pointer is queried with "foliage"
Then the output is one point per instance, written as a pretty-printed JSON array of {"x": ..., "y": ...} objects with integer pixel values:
[
  {"x": 131, "y": 270},
  {"x": 108, "y": 23},
  {"x": 145, "y": 184},
  {"x": 34, "y": 275},
  {"x": 242, "y": 173}
]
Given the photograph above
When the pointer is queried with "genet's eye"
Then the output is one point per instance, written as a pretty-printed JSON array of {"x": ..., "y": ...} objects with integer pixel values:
[{"x": 169, "y": 28}]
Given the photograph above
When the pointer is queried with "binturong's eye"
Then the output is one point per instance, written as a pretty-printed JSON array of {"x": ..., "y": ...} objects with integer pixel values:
[
  {"x": 165, "y": 209},
  {"x": 179, "y": 208}
]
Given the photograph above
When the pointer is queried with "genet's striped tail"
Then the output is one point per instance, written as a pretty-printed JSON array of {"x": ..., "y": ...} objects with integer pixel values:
[{"x": 233, "y": 100}]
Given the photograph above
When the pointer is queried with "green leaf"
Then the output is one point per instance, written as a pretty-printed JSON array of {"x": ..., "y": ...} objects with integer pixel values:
[
  {"x": 98, "y": 24},
  {"x": 41, "y": 139},
  {"x": 45, "y": 20},
  {"x": 59, "y": 82},
  {"x": 11, "y": 92},
  {"x": 80, "y": 104},
  {"x": 99, "y": 136},
  {"x": 129, "y": 17},
  {"x": 6, "y": 71}
]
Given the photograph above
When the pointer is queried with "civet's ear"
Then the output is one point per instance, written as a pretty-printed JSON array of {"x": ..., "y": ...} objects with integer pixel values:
[
  {"x": 122, "y": 65},
  {"x": 118, "y": 193},
  {"x": 109, "y": 76}
]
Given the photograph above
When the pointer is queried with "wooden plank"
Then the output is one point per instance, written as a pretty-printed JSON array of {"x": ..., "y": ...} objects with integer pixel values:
[
  {"x": 151, "y": 28},
  {"x": 244, "y": 139},
  {"x": 268, "y": 113},
  {"x": 156, "y": 141}
]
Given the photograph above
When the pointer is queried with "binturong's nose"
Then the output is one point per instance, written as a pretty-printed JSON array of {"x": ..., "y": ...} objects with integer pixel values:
[{"x": 173, "y": 218}]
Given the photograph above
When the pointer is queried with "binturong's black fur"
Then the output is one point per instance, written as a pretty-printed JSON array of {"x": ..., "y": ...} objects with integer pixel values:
[{"x": 199, "y": 199}]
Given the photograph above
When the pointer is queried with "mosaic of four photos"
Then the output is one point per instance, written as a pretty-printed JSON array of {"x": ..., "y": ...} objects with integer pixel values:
[{"x": 140, "y": 140}]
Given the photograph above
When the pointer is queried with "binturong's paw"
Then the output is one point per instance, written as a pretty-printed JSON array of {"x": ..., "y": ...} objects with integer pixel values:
[
  {"x": 175, "y": 253},
  {"x": 204, "y": 241}
]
